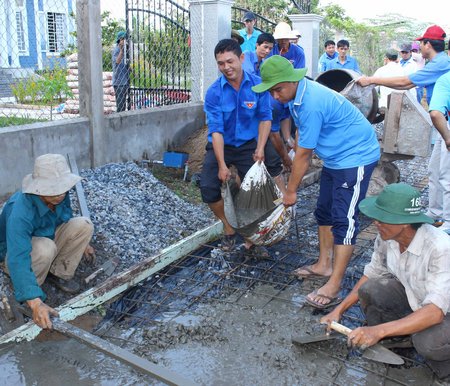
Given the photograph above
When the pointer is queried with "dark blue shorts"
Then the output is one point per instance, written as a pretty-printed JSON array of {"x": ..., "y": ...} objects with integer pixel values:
[
  {"x": 242, "y": 159},
  {"x": 337, "y": 206}
]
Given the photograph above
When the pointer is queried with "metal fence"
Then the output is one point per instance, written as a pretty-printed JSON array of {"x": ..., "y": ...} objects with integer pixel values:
[
  {"x": 34, "y": 37},
  {"x": 158, "y": 52}
]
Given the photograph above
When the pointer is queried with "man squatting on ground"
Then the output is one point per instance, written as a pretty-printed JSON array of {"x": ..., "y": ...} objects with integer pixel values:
[
  {"x": 343, "y": 138},
  {"x": 239, "y": 123},
  {"x": 432, "y": 47},
  {"x": 41, "y": 236},
  {"x": 405, "y": 289}
]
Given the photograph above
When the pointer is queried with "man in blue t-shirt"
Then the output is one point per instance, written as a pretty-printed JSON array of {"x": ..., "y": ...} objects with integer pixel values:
[
  {"x": 329, "y": 54},
  {"x": 439, "y": 167},
  {"x": 342, "y": 60},
  {"x": 432, "y": 47},
  {"x": 239, "y": 123},
  {"x": 329, "y": 125},
  {"x": 249, "y": 33},
  {"x": 292, "y": 52},
  {"x": 120, "y": 78}
]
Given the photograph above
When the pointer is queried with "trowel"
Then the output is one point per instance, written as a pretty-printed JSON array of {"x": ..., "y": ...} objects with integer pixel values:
[
  {"x": 377, "y": 352},
  {"x": 107, "y": 268}
]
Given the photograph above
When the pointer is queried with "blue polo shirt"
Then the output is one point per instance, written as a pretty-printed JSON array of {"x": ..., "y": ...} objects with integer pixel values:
[
  {"x": 349, "y": 64},
  {"x": 249, "y": 43},
  {"x": 433, "y": 70},
  {"x": 337, "y": 131},
  {"x": 441, "y": 95},
  {"x": 236, "y": 114},
  {"x": 23, "y": 217},
  {"x": 120, "y": 71},
  {"x": 324, "y": 59},
  {"x": 250, "y": 63},
  {"x": 295, "y": 55}
]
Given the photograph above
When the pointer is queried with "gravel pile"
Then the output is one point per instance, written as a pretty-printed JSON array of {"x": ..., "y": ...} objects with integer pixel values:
[{"x": 135, "y": 215}]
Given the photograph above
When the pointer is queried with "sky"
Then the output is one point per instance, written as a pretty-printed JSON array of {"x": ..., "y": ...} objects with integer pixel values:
[{"x": 431, "y": 11}]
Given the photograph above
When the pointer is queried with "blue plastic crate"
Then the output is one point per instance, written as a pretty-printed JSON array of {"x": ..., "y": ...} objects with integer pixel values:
[{"x": 175, "y": 160}]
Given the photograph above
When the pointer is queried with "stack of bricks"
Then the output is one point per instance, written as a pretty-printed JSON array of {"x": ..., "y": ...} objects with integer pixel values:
[{"x": 72, "y": 105}]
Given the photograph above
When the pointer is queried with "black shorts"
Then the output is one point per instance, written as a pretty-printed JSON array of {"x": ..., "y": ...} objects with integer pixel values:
[{"x": 242, "y": 159}]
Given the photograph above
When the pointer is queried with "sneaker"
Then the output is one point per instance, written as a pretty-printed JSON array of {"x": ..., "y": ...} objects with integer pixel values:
[
  {"x": 228, "y": 242},
  {"x": 256, "y": 252},
  {"x": 69, "y": 286}
]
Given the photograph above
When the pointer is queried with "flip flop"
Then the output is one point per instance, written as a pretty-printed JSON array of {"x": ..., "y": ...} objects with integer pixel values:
[
  {"x": 311, "y": 274},
  {"x": 333, "y": 301}
]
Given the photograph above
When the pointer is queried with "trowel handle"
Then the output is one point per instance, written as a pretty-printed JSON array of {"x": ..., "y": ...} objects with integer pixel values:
[{"x": 340, "y": 328}]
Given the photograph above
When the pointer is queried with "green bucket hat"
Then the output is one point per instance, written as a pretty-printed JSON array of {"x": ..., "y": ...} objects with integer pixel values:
[
  {"x": 277, "y": 69},
  {"x": 396, "y": 204}
]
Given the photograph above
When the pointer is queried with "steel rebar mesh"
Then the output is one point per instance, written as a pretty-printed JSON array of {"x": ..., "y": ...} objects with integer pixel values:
[{"x": 36, "y": 40}]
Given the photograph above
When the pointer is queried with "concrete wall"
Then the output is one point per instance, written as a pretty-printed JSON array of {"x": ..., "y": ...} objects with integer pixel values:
[{"x": 129, "y": 136}]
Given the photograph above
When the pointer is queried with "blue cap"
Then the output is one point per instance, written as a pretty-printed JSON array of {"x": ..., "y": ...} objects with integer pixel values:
[{"x": 121, "y": 35}]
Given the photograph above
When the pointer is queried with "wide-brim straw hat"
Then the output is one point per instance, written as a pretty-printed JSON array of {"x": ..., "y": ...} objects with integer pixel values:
[
  {"x": 283, "y": 31},
  {"x": 51, "y": 176}
]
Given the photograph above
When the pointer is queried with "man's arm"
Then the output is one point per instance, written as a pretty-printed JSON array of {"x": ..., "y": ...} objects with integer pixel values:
[
  {"x": 218, "y": 146},
  {"x": 263, "y": 134},
  {"x": 278, "y": 144},
  {"x": 397, "y": 82},
  {"x": 440, "y": 123},
  {"x": 419, "y": 320},
  {"x": 300, "y": 166}
]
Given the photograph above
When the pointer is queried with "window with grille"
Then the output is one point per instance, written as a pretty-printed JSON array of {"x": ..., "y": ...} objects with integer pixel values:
[
  {"x": 20, "y": 32},
  {"x": 56, "y": 31}
]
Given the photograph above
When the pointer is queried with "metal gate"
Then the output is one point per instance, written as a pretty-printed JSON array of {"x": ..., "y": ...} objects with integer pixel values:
[{"x": 159, "y": 52}]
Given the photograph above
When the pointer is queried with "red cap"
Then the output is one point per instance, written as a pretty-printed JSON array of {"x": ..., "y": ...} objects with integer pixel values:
[{"x": 433, "y": 33}]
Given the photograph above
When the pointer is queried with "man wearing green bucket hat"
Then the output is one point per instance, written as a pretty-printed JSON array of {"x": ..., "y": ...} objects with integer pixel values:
[
  {"x": 405, "y": 289},
  {"x": 329, "y": 125}
]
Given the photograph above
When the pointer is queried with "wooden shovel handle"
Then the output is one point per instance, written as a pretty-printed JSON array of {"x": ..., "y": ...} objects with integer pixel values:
[{"x": 340, "y": 328}]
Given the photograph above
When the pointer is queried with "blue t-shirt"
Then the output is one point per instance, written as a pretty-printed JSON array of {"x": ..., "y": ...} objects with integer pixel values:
[
  {"x": 433, "y": 70},
  {"x": 23, "y": 217},
  {"x": 249, "y": 43},
  {"x": 295, "y": 55},
  {"x": 441, "y": 95},
  {"x": 337, "y": 131},
  {"x": 250, "y": 63},
  {"x": 324, "y": 59},
  {"x": 236, "y": 114},
  {"x": 280, "y": 112},
  {"x": 349, "y": 64},
  {"x": 120, "y": 71}
]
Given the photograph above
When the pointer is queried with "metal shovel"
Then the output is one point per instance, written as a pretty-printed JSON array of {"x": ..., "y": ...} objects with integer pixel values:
[{"x": 376, "y": 352}]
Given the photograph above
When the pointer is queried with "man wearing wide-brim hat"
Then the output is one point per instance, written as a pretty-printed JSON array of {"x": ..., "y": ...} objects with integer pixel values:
[
  {"x": 42, "y": 238},
  {"x": 329, "y": 125},
  {"x": 405, "y": 289},
  {"x": 293, "y": 52}
]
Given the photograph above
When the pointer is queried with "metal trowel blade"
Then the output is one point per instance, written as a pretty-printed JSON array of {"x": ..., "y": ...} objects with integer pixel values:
[{"x": 305, "y": 339}]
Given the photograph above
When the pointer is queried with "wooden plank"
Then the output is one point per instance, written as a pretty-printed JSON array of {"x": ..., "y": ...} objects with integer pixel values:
[
  {"x": 84, "y": 210},
  {"x": 105, "y": 291},
  {"x": 144, "y": 366}
]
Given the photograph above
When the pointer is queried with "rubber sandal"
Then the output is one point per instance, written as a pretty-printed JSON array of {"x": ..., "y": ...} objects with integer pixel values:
[
  {"x": 310, "y": 275},
  {"x": 333, "y": 301}
]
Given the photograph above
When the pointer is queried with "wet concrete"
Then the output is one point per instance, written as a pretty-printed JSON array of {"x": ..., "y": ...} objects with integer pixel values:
[{"x": 236, "y": 333}]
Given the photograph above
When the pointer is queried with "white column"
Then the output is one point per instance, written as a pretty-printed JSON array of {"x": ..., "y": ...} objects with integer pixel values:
[
  {"x": 210, "y": 21},
  {"x": 308, "y": 25},
  {"x": 4, "y": 6},
  {"x": 13, "y": 36},
  {"x": 39, "y": 34}
]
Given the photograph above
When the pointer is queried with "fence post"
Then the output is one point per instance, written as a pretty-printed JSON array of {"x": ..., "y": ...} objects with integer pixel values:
[
  {"x": 309, "y": 25},
  {"x": 210, "y": 21},
  {"x": 90, "y": 76}
]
